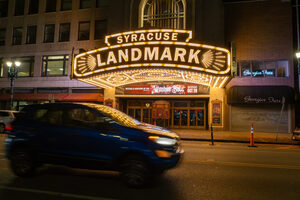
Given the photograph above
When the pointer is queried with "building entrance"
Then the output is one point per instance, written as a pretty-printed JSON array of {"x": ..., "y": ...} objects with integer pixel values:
[{"x": 181, "y": 114}]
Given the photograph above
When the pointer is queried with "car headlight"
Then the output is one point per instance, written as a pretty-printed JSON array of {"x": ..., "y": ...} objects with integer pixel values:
[{"x": 163, "y": 140}]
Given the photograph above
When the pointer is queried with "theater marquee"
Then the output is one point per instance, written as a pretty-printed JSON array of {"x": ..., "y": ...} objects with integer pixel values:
[{"x": 153, "y": 55}]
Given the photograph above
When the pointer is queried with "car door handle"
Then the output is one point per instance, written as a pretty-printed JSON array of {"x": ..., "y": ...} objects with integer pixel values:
[{"x": 74, "y": 133}]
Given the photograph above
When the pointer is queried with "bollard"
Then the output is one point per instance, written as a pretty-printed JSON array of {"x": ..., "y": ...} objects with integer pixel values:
[
  {"x": 211, "y": 134},
  {"x": 251, "y": 137}
]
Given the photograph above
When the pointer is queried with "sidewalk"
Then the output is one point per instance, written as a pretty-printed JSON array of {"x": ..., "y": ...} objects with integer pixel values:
[{"x": 230, "y": 136}]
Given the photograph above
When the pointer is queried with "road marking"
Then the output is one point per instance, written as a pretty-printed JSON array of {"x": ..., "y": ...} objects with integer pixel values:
[
  {"x": 54, "y": 193},
  {"x": 294, "y": 167}
]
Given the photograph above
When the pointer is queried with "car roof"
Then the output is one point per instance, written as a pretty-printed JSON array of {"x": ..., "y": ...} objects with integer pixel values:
[
  {"x": 51, "y": 105},
  {"x": 14, "y": 111}
]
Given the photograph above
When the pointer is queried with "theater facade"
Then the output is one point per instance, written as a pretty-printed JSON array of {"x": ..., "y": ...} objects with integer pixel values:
[
  {"x": 173, "y": 63},
  {"x": 159, "y": 76}
]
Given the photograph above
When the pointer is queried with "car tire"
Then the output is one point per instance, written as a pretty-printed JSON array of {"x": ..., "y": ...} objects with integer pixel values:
[
  {"x": 2, "y": 127},
  {"x": 22, "y": 163},
  {"x": 135, "y": 171}
]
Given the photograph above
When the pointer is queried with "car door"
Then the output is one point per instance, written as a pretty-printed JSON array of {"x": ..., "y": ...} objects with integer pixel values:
[
  {"x": 49, "y": 132},
  {"x": 90, "y": 135}
]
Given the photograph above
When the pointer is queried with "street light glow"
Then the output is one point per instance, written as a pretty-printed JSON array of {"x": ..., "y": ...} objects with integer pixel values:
[
  {"x": 17, "y": 63},
  {"x": 298, "y": 54},
  {"x": 9, "y": 64}
]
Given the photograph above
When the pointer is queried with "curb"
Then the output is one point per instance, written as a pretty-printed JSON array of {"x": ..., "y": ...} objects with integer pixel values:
[{"x": 240, "y": 141}]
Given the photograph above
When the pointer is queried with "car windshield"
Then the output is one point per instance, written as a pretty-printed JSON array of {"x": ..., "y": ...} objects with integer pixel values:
[{"x": 117, "y": 115}]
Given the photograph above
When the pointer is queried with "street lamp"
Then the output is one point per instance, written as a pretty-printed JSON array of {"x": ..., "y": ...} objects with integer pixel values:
[{"x": 12, "y": 75}]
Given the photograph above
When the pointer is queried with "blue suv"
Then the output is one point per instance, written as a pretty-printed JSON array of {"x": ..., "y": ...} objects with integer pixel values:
[{"x": 90, "y": 136}]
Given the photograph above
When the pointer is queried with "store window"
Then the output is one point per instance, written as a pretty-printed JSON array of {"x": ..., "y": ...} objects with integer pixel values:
[
  {"x": 100, "y": 29},
  {"x": 64, "y": 32},
  {"x": 84, "y": 31},
  {"x": 2, "y": 36},
  {"x": 85, "y": 4},
  {"x": 50, "y": 5},
  {"x": 256, "y": 68},
  {"x": 31, "y": 35},
  {"x": 33, "y": 6},
  {"x": 19, "y": 7},
  {"x": 101, "y": 3},
  {"x": 245, "y": 68},
  {"x": 49, "y": 33},
  {"x": 3, "y": 8},
  {"x": 66, "y": 5},
  {"x": 17, "y": 36},
  {"x": 26, "y": 68},
  {"x": 55, "y": 65},
  {"x": 282, "y": 68},
  {"x": 163, "y": 14},
  {"x": 270, "y": 70}
]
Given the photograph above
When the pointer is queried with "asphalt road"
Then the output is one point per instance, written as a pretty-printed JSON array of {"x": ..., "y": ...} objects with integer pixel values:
[{"x": 223, "y": 171}]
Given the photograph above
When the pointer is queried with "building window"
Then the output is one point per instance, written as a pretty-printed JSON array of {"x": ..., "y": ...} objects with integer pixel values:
[
  {"x": 64, "y": 32},
  {"x": 31, "y": 35},
  {"x": 84, "y": 31},
  {"x": 17, "y": 36},
  {"x": 66, "y": 5},
  {"x": 55, "y": 65},
  {"x": 85, "y": 4},
  {"x": 100, "y": 29},
  {"x": 282, "y": 68},
  {"x": 50, "y": 5},
  {"x": 245, "y": 68},
  {"x": 3, "y": 8},
  {"x": 33, "y": 6},
  {"x": 1, "y": 67},
  {"x": 101, "y": 3},
  {"x": 256, "y": 68},
  {"x": 19, "y": 7},
  {"x": 2, "y": 36},
  {"x": 49, "y": 33},
  {"x": 26, "y": 68},
  {"x": 163, "y": 14}
]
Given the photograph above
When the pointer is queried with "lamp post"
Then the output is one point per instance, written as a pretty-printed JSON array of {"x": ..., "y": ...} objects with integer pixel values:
[{"x": 12, "y": 75}]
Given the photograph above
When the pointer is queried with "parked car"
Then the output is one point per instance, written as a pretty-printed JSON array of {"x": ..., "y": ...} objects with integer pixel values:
[
  {"x": 91, "y": 136},
  {"x": 6, "y": 117}
]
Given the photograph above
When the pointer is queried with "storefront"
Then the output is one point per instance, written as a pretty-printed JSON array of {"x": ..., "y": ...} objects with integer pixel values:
[
  {"x": 268, "y": 108},
  {"x": 158, "y": 76}
]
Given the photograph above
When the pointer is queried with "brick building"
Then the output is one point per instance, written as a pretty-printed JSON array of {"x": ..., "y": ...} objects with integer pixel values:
[{"x": 43, "y": 34}]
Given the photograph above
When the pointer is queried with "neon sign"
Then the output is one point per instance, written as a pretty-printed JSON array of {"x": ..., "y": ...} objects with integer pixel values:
[
  {"x": 146, "y": 50},
  {"x": 161, "y": 89}
]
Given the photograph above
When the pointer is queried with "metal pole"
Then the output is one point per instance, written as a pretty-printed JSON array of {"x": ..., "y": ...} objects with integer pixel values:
[
  {"x": 12, "y": 81},
  {"x": 212, "y": 134}
]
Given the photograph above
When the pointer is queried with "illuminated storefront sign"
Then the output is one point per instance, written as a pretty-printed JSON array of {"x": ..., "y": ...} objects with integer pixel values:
[
  {"x": 161, "y": 89},
  {"x": 146, "y": 51}
]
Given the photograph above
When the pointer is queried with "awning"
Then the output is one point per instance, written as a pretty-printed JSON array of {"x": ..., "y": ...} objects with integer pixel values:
[
  {"x": 54, "y": 96},
  {"x": 260, "y": 95},
  {"x": 83, "y": 97}
]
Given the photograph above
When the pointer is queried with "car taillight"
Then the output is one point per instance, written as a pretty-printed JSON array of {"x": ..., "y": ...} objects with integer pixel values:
[{"x": 8, "y": 128}]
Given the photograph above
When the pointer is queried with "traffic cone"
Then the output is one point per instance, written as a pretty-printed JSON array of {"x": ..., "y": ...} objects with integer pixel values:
[{"x": 252, "y": 137}]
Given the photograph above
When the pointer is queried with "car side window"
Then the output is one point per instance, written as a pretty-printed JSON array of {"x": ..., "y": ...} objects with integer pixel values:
[
  {"x": 4, "y": 114},
  {"x": 50, "y": 116},
  {"x": 84, "y": 118}
]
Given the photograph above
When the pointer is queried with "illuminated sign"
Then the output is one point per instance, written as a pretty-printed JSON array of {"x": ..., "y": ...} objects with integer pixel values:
[
  {"x": 161, "y": 89},
  {"x": 148, "y": 50}
]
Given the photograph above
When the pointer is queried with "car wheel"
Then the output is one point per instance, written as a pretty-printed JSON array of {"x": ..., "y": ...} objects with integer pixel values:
[
  {"x": 22, "y": 163},
  {"x": 134, "y": 171},
  {"x": 2, "y": 126}
]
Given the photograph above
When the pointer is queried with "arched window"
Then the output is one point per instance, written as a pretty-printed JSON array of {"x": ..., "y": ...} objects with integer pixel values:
[{"x": 163, "y": 14}]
